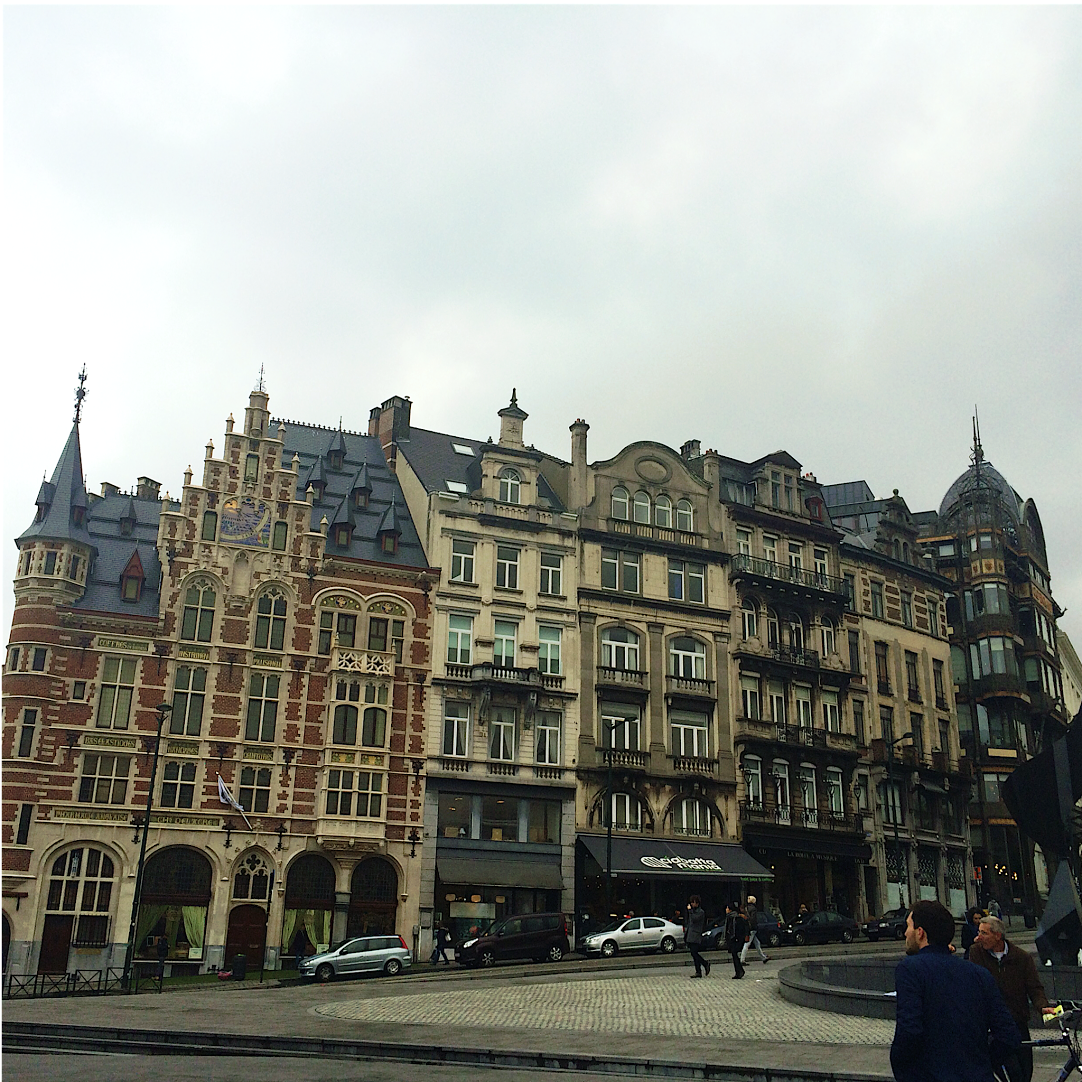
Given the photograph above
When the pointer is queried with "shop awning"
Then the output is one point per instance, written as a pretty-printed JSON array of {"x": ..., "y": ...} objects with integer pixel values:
[
  {"x": 669, "y": 859},
  {"x": 809, "y": 845},
  {"x": 930, "y": 786},
  {"x": 481, "y": 872}
]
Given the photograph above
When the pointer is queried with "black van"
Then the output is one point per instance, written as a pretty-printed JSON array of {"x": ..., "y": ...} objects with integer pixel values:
[{"x": 540, "y": 936}]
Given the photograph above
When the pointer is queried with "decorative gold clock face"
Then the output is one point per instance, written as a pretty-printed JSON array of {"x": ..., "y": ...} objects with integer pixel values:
[{"x": 246, "y": 521}]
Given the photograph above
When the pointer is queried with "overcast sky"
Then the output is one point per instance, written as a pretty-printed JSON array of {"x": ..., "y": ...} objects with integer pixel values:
[{"x": 832, "y": 231}]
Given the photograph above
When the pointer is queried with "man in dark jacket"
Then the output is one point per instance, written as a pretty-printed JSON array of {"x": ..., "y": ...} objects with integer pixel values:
[
  {"x": 946, "y": 1008},
  {"x": 737, "y": 933},
  {"x": 1016, "y": 975},
  {"x": 693, "y": 935}
]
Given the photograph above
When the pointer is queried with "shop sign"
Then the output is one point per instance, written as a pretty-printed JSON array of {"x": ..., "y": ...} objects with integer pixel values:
[
  {"x": 123, "y": 646},
  {"x": 698, "y": 864}
]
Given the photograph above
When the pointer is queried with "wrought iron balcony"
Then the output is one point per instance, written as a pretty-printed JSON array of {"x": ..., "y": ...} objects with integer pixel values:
[
  {"x": 767, "y": 571},
  {"x": 807, "y": 659}
]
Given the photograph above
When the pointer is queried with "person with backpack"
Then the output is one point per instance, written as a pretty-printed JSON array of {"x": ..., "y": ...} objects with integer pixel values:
[
  {"x": 693, "y": 935},
  {"x": 737, "y": 934}
]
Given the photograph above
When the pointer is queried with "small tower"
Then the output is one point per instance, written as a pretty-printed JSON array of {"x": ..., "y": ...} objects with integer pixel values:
[{"x": 511, "y": 418}]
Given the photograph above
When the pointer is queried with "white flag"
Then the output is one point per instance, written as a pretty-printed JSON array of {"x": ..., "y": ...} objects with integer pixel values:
[{"x": 226, "y": 797}]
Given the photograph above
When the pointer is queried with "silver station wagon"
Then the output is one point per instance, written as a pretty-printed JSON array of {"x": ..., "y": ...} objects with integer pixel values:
[{"x": 370, "y": 954}]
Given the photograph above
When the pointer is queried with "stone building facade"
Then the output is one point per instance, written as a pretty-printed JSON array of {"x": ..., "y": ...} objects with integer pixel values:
[{"x": 280, "y": 607}]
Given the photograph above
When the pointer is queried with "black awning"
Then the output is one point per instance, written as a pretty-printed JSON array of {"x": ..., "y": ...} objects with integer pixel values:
[
  {"x": 669, "y": 859},
  {"x": 473, "y": 871},
  {"x": 809, "y": 845},
  {"x": 932, "y": 787}
]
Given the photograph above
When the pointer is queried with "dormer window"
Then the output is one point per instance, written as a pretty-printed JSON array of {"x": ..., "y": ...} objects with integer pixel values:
[
  {"x": 510, "y": 487},
  {"x": 342, "y": 535},
  {"x": 360, "y": 498},
  {"x": 336, "y": 459},
  {"x": 319, "y": 487},
  {"x": 389, "y": 543},
  {"x": 131, "y": 579}
]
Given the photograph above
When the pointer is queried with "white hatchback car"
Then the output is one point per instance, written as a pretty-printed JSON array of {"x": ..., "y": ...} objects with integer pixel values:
[
  {"x": 371, "y": 954},
  {"x": 635, "y": 934}
]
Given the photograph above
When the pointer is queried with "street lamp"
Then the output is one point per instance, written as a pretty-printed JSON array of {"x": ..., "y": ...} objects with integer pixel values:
[
  {"x": 161, "y": 709},
  {"x": 904, "y": 872}
]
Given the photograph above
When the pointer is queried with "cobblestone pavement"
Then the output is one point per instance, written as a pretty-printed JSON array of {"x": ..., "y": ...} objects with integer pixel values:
[{"x": 662, "y": 1003}]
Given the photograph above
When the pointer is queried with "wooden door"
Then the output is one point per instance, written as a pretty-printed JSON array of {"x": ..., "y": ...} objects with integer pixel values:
[
  {"x": 247, "y": 934},
  {"x": 55, "y": 943}
]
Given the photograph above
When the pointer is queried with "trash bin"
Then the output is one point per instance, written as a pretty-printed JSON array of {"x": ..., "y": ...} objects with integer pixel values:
[
  {"x": 239, "y": 966},
  {"x": 1029, "y": 917}
]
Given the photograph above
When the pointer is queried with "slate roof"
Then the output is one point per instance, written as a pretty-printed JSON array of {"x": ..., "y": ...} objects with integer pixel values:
[
  {"x": 433, "y": 457},
  {"x": 313, "y": 444},
  {"x": 60, "y": 496},
  {"x": 114, "y": 551}
]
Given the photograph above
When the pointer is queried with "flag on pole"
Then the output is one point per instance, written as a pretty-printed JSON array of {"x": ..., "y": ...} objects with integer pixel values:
[{"x": 226, "y": 797}]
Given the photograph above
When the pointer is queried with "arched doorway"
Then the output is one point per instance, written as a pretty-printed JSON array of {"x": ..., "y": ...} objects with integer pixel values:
[
  {"x": 174, "y": 903},
  {"x": 373, "y": 898},
  {"x": 247, "y": 934},
  {"x": 80, "y": 879},
  {"x": 309, "y": 908}
]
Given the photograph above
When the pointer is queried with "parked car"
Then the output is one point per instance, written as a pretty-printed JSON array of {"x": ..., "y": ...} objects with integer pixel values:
[
  {"x": 371, "y": 954},
  {"x": 632, "y": 934},
  {"x": 540, "y": 936},
  {"x": 768, "y": 926},
  {"x": 822, "y": 927},
  {"x": 891, "y": 925}
]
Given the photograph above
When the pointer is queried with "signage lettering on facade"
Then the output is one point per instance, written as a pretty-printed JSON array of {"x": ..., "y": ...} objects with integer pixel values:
[
  {"x": 193, "y": 653},
  {"x": 129, "y": 646},
  {"x": 94, "y": 740},
  {"x": 698, "y": 864},
  {"x": 86, "y": 813},
  {"x": 164, "y": 819}
]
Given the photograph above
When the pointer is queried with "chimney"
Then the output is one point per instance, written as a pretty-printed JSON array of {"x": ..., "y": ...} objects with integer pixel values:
[
  {"x": 690, "y": 450},
  {"x": 392, "y": 424},
  {"x": 511, "y": 418},
  {"x": 373, "y": 421},
  {"x": 576, "y": 495},
  {"x": 712, "y": 472},
  {"x": 109, "y": 489},
  {"x": 146, "y": 489}
]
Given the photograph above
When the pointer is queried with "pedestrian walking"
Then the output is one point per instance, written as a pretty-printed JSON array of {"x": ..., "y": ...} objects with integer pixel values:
[
  {"x": 946, "y": 1009},
  {"x": 994, "y": 909},
  {"x": 693, "y": 935},
  {"x": 1015, "y": 974},
  {"x": 163, "y": 954},
  {"x": 969, "y": 929},
  {"x": 443, "y": 939},
  {"x": 737, "y": 934},
  {"x": 753, "y": 940}
]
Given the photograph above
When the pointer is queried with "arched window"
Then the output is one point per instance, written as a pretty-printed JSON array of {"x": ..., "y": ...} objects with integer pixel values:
[
  {"x": 685, "y": 521},
  {"x": 619, "y": 502},
  {"x": 510, "y": 487},
  {"x": 626, "y": 812},
  {"x": 827, "y": 636},
  {"x": 197, "y": 622},
  {"x": 773, "y": 632},
  {"x": 374, "y": 880},
  {"x": 663, "y": 512},
  {"x": 374, "y": 727},
  {"x": 641, "y": 507},
  {"x": 309, "y": 905},
  {"x": 687, "y": 658},
  {"x": 270, "y": 621},
  {"x": 251, "y": 879},
  {"x": 692, "y": 817},
  {"x": 345, "y": 724},
  {"x": 81, "y": 882},
  {"x": 753, "y": 780},
  {"x": 796, "y": 632},
  {"x": 749, "y": 611},
  {"x": 620, "y": 649}
]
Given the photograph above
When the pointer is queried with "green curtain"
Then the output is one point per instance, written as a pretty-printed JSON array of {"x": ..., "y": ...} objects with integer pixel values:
[
  {"x": 288, "y": 928},
  {"x": 317, "y": 923},
  {"x": 195, "y": 924},
  {"x": 149, "y": 915}
]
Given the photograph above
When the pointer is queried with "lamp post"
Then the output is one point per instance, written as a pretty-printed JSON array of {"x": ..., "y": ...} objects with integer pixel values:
[
  {"x": 894, "y": 811},
  {"x": 161, "y": 709}
]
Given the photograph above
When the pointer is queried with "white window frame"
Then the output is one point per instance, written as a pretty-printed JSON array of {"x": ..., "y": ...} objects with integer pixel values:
[
  {"x": 510, "y": 487},
  {"x": 549, "y": 643},
  {"x": 689, "y": 739},
  {"x": 835, "y": 792},
  {"x": 663, "y": 512},
  {"x": 551, "y": 574},
  {"x": 687, "y": 581},
  {"x": 805, "y": 715},
  {"x": 116, "y": 693},
  {"x": 751, "y": 702},
  {"x": 507, "y": 561},
  {"x": 828, "y": 638},
  {"x": 743, "y": 542},
  {"x": 640, "y": 508},
  {"x": 621, "y": 503},
  {"x": 749, "y": 616},
  {"x": 808, "y": 794},
  {"x": 831, "y": 714},
  {"x": 615, "y": 651},
  {"x": 628, "y": 808},
  {"x": 692, "y": 817},
  {"x": 685, "y": 516},
  {"x": 621, "y": 731},
  {"x": 770, "y": 549},
  {"x": 687, "y": 664},
  {"x": 779, "y": 707},
  {"x": 548, "y": 726},
  {"x": 459, "y": 638},
  {"x": 463, "y": 554},
  {"x": 502, "y": 729},
  {"x": 779, "y": 778},
  {"x": 819, "y": 557},
  {"x": 753, "y": 780},
  {"x": 456, "y": 730}
]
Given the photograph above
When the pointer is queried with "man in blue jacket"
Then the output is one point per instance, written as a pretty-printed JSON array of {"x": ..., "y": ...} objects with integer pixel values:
[{"x": 952, "y": 1024}]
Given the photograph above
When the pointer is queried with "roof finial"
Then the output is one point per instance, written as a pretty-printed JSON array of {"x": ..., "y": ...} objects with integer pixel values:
[
  {"x": 262, "y": 387},
  {"x": 80, "y": 394},
  {"x": 514, "y": 397}
]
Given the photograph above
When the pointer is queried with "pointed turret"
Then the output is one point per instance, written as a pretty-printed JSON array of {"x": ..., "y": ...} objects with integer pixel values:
[
  {"x": 361, "y": 487},
  {"x": 62, "y": 502},
  {"x": 390, "y": 529}
]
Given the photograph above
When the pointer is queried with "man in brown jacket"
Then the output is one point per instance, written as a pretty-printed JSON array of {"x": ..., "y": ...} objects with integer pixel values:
[{"x": 1016, "y": 974}]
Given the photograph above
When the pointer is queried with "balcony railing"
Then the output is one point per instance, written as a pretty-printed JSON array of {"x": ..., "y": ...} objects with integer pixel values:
[
  {"x": 368, "y": 662},
  {"x": 455, "y": 766},
  {"x": 506, "y": 770},
  {"x": 884, "y": 687},
  {"x": 503, "y": 674},
  {"x": 635, "y": 760},
  {"x": 798, "y": 576},
  {"x": 808, "y": 659},
  {"x": 687, "y": 685},
  {"x": 625, "y": 677},
  {"x": 809, "y": 736},
  {"x": 913, "y": 695},
  {"x": 693, "y": 764},
  {"x": 808, "y": 818},
  {"x": 941, "y": 702}
]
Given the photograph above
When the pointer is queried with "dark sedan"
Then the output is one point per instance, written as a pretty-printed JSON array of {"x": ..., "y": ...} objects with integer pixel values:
[
  {"x": 823, "y": 927},
  {"x": 891, "y": 925},
  {"x": 768, "y": 927}
]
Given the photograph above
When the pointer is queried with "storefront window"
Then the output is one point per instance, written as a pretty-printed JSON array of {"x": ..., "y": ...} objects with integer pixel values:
[
  {"x": 499, "y": 819},
  {"x": 454, "y": 815},
  {"x": 544, "y": 821}
]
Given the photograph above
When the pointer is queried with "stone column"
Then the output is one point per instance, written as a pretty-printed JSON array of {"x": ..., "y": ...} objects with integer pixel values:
[
  {"x": 726, "y": 751},
  {"x": 341, "y": 910},
  {"x": 588, "y": 738}
]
